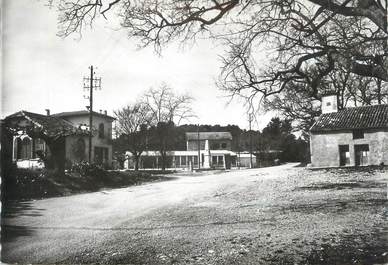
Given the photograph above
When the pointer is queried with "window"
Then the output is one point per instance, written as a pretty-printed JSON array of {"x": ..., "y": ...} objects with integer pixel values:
[
  {"x": 358, "y": 134},
  {"x": 328, "y": 103},
  {"x": 183, "y": 160},
  {"x": 24, "y": 148},
  {"x": 101, "y": 130},
  {"x": 215, "y": 146},
  {"x": 195, "y": 160},
  {"x": 223, "y": 145},
  {"x": 106, "y": 154},
  {"x": 344, "y": 155},
  {"x": 214, "y": 160},
  {"x": 177, "y": 161},
  {"x": 220, "y": 160}
]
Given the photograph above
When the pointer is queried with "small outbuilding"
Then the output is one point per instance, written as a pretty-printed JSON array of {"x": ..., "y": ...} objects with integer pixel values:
[{"x": 356, "y": 136}]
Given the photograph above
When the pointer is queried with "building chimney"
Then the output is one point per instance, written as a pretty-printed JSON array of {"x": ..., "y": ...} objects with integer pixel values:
[
  {"x": 105, "y": 112},
  {"x": 48, "y": 112},
  {"x": 329, "y": 103}
]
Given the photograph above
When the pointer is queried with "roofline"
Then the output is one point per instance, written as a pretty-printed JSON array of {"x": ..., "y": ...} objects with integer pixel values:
[
  {"x": 76, "y": 113},
  {"x": 364, "y": 106},
  {"x": 348, "y": 129},
  {"x": 344, "y": 129}
]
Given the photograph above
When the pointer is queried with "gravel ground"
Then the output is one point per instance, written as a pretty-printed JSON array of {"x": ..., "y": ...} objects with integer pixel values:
[{"x": 277, "y": 215}]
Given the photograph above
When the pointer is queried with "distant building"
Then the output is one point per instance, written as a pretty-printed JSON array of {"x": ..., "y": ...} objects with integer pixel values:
[
  {"x": 215, "y": 151},
  {"x": 355, "y": 136},
  {"x": 74, "y": 126},
  {"x": 245, "y": 159}
]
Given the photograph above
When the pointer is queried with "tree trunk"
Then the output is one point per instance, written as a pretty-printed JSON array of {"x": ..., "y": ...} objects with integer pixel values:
[
  {"x": 163, "y": 157},
  {"x": 137, "y": 158},
  {"x": 57, "y": 150}
]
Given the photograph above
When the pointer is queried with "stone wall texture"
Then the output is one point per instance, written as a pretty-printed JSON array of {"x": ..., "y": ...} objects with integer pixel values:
[{"x": 325, "y": 147}]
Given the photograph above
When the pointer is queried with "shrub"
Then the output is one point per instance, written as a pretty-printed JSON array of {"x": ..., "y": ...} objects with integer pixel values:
[
  {"x": 86, "y": 169},
  {"x": 30, "y": 183}
]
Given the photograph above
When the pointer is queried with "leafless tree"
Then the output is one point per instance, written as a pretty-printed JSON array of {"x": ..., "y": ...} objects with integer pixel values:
[
  {"x": 132, "y": 122},
  {"x": 166, "y": 109},
  {"x": 164, "y": 105},
  {"x": 304, "y": 40}
]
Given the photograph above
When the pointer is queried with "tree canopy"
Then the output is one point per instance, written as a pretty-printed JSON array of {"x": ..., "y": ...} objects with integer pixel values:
[
  {"x": 303, "y": 33},
  {"x": 305, "y": 42}
]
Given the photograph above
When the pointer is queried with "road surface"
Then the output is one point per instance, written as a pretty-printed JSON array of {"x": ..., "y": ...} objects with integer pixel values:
[{"x": 277, "y": 215}]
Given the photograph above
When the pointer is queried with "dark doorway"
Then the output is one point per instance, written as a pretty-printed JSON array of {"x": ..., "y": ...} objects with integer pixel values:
[
  {"x": 344, "y": 155},
  {"x": 361, "y": 152},
  {"x": 228, "y": 162},
  {"x": 100, "y": 155}
]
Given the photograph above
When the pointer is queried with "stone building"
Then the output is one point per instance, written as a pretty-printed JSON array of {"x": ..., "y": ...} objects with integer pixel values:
[
  {"x": 209, "y": 149},
  {"x": 355, "y": 136},
  {"x": 73, "y": 127}
]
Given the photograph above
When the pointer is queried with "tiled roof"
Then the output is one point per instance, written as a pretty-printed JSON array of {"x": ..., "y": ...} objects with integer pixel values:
[
  {"x": 209, "y": 136},
  {"x": 50, "y": 125},
  {"x": 80, "y": 113},
  {"x": 366, "y": 117}
]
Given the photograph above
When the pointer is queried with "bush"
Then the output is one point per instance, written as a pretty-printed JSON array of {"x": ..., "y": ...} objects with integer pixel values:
[
  {"x": 30, "y": 183},
  {"x": 86, "y": 169},
  {"x": 21, "y": 183}
]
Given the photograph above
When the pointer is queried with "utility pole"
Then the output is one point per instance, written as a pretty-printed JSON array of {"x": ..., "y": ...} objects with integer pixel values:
[
  {"x": 250, "y": 118},
  {"x": 199, "y": 148},
  {"x": 91, "y": 83},
  {"x": 238, "y": 150}
]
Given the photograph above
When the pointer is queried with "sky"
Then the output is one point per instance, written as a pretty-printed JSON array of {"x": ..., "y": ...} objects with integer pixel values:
[{"x": 43, "y": 71}]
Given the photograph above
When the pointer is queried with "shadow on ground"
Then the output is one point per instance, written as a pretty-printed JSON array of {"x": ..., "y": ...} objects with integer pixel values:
[{"x": 15, "y": 209}]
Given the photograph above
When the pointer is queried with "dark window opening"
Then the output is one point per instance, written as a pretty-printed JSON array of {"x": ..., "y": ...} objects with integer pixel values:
[
  {"x": 223, "y": 145},
  {"x": 344, "y": 155},
  {"x": 24, "y": 148},
  {"x": 220, "y": 160},
  {"x": 101, "y": 130},
  {"x": 214, "y": 160},
  {"x": 358, "y": 134},
  {"x": 361, "y": 153}
]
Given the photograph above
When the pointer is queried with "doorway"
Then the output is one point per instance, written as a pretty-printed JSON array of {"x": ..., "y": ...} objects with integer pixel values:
[
  {"x": 344, "y": 155},
  {"x": 361, "y": 153}
]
